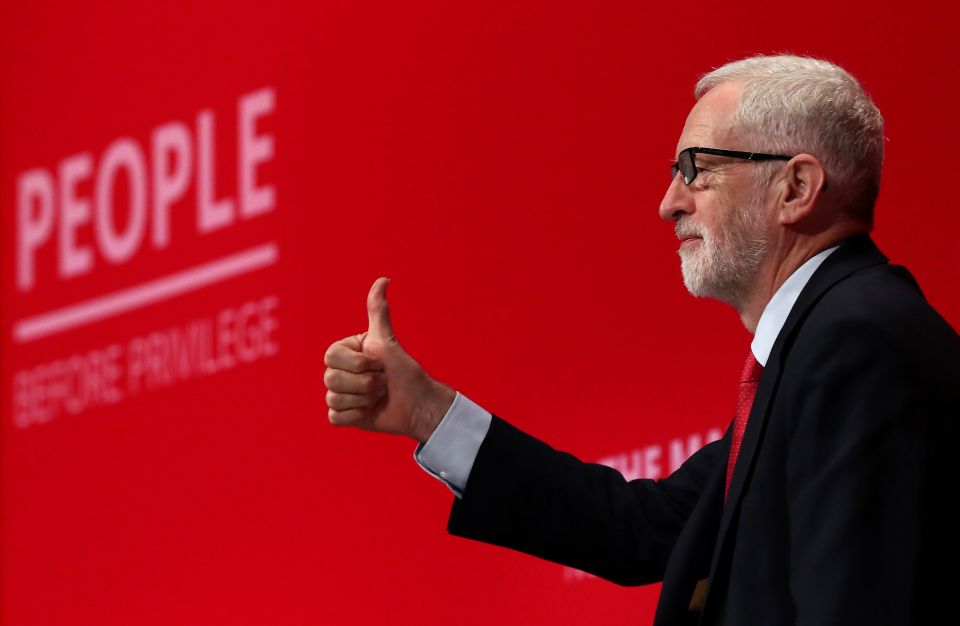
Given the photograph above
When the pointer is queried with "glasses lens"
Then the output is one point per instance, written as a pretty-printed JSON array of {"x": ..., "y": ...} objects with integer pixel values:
[
  {"x": 687, "y": 166},
  {"x": 673, "y": 171}
]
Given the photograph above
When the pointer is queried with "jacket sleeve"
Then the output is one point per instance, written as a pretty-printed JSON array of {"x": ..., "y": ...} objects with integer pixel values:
[{"x": 524, "y": 495}]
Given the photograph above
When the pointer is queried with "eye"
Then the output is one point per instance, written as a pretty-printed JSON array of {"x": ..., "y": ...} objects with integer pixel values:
[
  {"x": 704, "y": 179},
  {"x": 705, "y": 172}
]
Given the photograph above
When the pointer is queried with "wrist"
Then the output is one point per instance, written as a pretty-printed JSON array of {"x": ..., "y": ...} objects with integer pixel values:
[{"x": 435, "y": 406}]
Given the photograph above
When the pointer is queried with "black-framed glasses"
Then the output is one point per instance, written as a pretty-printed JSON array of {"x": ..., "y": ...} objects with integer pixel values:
[{"x": 686, "y": 164}]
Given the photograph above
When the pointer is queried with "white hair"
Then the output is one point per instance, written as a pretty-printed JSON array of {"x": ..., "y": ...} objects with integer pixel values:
[{"x": 791, "y": 104}]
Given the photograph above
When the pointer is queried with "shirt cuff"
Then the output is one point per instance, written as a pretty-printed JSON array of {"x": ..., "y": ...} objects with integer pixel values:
[{"x": 451, "y": 450}]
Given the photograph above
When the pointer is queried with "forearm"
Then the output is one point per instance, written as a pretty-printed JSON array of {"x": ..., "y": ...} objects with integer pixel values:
[{"x": 526, "y": 496}]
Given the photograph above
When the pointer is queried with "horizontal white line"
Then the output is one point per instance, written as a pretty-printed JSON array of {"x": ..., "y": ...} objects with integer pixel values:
[{"x": 145, "y": 294}]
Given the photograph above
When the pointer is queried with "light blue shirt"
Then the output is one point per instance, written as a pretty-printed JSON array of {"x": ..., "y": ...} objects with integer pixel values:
[{"x": 450, "y": 452}]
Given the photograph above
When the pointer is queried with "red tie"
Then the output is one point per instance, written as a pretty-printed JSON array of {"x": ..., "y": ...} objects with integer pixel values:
[{"x": 748, "y": 389}]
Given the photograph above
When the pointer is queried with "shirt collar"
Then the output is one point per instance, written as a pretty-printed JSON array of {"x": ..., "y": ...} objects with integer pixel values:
[{"x": 775, "y": 313}]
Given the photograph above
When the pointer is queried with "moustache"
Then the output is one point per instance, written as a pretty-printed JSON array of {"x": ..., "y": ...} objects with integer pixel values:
[{"x": 687, "y": 230}]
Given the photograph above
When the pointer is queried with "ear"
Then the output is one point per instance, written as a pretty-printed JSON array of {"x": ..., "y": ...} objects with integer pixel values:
[{"x": 803, "y": 180}]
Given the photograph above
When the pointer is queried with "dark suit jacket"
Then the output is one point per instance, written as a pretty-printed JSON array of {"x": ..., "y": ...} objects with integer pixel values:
[{"x": 840, "y": 510}]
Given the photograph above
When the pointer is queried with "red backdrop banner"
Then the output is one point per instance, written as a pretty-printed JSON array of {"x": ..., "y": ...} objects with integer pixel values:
[{"x": 196, "y": 198}]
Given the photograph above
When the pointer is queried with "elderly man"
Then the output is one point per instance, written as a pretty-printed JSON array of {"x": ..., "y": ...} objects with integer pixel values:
[{"x": 828, "y": 499}]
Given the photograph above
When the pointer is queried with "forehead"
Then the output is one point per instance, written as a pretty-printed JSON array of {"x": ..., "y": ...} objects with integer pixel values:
[{"x": 710, "y": 122}]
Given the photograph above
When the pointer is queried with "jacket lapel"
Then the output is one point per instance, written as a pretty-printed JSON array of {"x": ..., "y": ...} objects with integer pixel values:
[{"x": 854, "y": 254}]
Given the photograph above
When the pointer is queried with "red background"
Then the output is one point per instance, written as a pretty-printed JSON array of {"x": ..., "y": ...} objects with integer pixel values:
[{"x": 503, "y": 164}]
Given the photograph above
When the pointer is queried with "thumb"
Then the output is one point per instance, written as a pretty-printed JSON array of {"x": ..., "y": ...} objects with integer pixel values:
[{"x": 378, "y": 312}]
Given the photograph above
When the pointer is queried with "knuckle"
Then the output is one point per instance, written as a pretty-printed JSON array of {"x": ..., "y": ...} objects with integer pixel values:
[
  {"x": 332, "y": 399},
  {"x": 330, "y": 377},
  {"x": 330, "y": 354}
]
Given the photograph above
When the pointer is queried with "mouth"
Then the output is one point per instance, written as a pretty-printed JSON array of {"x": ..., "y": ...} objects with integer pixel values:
[{"x": 687, "y": 240}]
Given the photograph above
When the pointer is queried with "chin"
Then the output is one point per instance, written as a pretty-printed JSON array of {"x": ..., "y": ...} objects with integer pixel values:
[{"x": 702, "y": 284}]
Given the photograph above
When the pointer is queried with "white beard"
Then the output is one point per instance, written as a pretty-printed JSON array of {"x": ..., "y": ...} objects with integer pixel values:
[{"x": 724, "y": 263}]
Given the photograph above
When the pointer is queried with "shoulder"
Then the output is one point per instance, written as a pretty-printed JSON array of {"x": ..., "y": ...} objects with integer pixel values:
[
  {"x": 876, "y": 321},
  {"x": 884, "y": 306}
]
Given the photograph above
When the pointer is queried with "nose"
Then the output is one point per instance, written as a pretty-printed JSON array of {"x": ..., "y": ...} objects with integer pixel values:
[{"x": 677, "y": 200}]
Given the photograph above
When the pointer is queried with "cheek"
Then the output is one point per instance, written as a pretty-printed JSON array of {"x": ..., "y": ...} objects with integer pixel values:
[{"x": 713, "y": 216}]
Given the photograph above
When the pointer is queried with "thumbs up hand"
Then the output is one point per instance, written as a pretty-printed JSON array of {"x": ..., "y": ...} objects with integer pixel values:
[{"x": 372, "y": 383}]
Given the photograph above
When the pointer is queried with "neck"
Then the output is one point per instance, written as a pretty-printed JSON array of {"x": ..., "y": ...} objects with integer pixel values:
[{"x": 784, "y": 257}]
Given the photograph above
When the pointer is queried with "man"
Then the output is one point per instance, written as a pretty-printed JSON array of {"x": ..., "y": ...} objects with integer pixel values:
[{"x": 828, "y": 500}]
